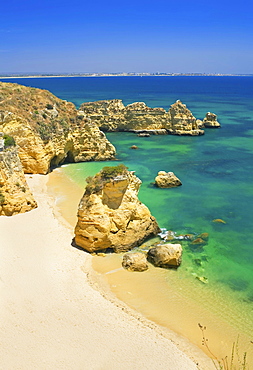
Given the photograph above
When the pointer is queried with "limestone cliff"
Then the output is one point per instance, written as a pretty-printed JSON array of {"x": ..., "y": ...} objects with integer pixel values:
[
  {"x": 112, "y": 115},
  {"x": 110, "y": 214},
  {"x": 48, "y": 130},
  {"x": 182, "y": 120},
  {"x": 15, "y": 196}
]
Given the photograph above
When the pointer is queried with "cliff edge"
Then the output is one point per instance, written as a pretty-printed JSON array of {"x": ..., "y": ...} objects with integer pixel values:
[
  {"x": 49, "y": 131},
  {"x": 15, "y": 196}
]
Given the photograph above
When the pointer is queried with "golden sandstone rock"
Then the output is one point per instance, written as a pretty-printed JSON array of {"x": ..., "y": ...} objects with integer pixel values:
[
  {"x": 48, "y": 130},
  {"x": 210, "y": 120},
  {"x": 15, "y": 196},
  {"x": 167, "y": 180},
  {"x": 112, "y": 115},
  {"x": 135, "y": 262},
  {"x": 110, "y": 214}
]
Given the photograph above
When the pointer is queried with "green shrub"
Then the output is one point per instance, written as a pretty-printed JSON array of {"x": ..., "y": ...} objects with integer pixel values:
[
  {"x": 109, "y": 172},
  {"x": 49, "y": 106},
  {"x": 95, "y": 184},
  {"x": 9, "y": 141}
]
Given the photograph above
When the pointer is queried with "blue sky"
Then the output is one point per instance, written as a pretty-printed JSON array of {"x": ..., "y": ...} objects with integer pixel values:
[{"x": 135, "y": 36}]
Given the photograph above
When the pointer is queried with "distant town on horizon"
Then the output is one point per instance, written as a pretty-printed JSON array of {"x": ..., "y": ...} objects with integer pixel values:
[{"x": 95, "y": 74}]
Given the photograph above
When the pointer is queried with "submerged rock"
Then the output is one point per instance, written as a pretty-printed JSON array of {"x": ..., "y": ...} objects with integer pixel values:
[
  {"x": 110, "y": 214},
  {"x": 135, "y": 262},
  {"x": 210, "y": 121},
  {"x": 219, "y": 221},
  {"x": 165, "y": 255},
  {"x": 167, "y": 180}
]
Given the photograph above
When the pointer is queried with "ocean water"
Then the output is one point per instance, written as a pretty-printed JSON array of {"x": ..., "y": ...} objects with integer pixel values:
[{"x": 216, "y": 171}]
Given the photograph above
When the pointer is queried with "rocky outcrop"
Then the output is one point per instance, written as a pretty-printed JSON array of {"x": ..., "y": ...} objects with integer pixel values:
[
  {"x": 167, "y": 180},
  {"x": 182, "y": 121},
  {"x": 49, "y": 131},
  {"x": 166, "y": 255},
  {"x": 210, "y": 120},
  {"x": 15, "y": 196},
  {"x": 110, "y": 215},
  {"x": 135, "y": 262},
  {"x": 112, "y": 115}
]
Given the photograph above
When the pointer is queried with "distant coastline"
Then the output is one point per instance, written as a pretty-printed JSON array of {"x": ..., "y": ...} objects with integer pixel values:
[{"x": 127, "y": 74}]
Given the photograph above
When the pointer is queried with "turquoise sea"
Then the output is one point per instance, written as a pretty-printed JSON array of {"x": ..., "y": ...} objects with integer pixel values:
[{"x": 216, "y": 170}]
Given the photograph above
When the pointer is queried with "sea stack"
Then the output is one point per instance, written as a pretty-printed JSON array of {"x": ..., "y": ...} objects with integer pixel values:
[
  {"x": 210, "y": 121},
  {"x": 167, "y": 180},
  {"x": 183, "y": 121},
  {"x": 110, "y": 215}
]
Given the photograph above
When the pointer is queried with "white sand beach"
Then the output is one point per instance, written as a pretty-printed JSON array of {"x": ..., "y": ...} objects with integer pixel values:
[{"x": 53, "y": 318}]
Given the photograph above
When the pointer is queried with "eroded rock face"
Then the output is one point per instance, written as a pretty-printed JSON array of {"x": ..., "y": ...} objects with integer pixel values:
[
  {"x": 167, "y": 180},
  {"x": 112, "y": 115},
  {"x": 15, "y": 196},
  {"x": 182, "y": 120},
  {"x": 210, "y": 120},
  {"x": 110, "y": 215},
  {"x": 48, "y": 130},
  {"x": 135, "y": 262},
  {"x": 166, "y": 255}
]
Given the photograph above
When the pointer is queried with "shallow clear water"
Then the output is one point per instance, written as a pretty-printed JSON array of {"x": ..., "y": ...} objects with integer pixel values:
[{"x": 216, "y": 172}]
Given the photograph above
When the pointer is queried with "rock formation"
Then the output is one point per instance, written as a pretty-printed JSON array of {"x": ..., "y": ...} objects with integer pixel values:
[
  {"x": 135, "y": 262},
  {"x": 48, "y": 130},
  {"x": 167, "y": 180},
  {"x": 210, "y": 121},
  {"x": 15, "y": 196},
  {"x": 112, "y": 115},
  {"x": 166, "y": 255},
  {"x": 110, "y": 214},
  {"x": 182, "y": 120}
]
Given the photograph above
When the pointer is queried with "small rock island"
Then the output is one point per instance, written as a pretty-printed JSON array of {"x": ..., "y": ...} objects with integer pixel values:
[{"x": 110, "y": 215}]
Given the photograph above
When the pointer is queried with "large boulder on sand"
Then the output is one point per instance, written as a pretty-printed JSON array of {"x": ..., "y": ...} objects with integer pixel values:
[
  {"x": 166, "y": 255},
  {"x": 210, "y": 121},
  {"x": 110, "y": 214},
  {"x": 167, "y": 180},
  {"x": 135, "y": 262}
]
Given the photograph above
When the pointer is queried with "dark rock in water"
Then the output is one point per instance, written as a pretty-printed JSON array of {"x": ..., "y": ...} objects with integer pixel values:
[
  {"x": 198, "y": 262},
  {"x": 166, "y": 255},
  {"x": 143, "y": 134},
  {"x": 204, "y": 236},
  {"x": 198, "y": 241},
  {"x": 237, "y": 284},
  {"x": 135, "y": 262}
]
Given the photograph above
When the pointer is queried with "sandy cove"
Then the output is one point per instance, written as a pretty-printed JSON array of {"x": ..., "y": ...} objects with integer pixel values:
[{"x": 53, "y": 318}]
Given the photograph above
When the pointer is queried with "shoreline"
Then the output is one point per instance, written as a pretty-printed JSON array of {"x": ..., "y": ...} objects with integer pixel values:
[
  {"x": 52, "y": 304},
  {"x": 119, "y": 75}
]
